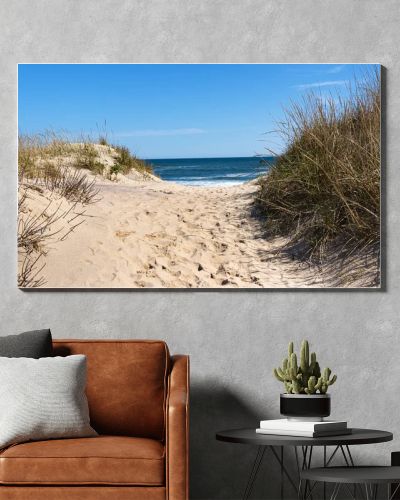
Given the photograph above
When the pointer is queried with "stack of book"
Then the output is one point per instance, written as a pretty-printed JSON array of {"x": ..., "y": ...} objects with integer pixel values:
[{"x": 303, "y": 428}]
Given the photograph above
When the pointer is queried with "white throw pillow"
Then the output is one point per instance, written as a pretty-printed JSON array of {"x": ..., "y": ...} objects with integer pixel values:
[{"x": 43, "y": 399}]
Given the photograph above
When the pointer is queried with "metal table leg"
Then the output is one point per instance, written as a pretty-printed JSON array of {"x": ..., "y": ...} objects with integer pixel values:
[
  {"x": 303, "y": 464},
  {"x": 282, "y": 490},
  {"x": 279, "y": 456},
  {"x": 306, "y": 464},
  {"x": 253, "y": 474}
]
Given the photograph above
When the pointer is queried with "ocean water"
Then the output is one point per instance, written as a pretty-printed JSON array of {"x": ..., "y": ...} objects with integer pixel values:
[{"x": 211, "y": 171}]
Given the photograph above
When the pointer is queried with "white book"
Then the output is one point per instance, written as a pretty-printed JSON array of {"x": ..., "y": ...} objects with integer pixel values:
[
  {"x": 311, "y": 434},
  {"x": 303, "y": 425}
]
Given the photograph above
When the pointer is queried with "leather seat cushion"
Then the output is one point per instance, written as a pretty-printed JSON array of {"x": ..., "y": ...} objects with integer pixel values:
[{"x": 102, "y": 460}]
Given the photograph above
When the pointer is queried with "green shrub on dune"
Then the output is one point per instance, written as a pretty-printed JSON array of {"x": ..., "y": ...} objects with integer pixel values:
[
  {"x": 125, "y": 162},
  {"x": 323, "y": 192},
  {"x": 88, "y": 157}
]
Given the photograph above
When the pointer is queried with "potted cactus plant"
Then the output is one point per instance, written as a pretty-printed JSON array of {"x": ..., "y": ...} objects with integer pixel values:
[{"x": 306, "y": 386}]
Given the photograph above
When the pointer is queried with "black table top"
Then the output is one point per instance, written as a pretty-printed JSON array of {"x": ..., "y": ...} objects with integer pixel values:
[
  {"x": 249, "y": 436},
  {"x": 353, "y": 475}
]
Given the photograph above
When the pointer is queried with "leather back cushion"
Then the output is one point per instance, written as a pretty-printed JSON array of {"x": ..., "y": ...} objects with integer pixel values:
[{"x": 126, "y": 385}]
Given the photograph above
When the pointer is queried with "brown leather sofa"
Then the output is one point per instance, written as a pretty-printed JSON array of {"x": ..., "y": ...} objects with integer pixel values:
[{"x": 139, "y": 400}]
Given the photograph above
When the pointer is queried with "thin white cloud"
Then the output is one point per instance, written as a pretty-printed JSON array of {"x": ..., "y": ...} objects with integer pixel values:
[
  {"x": 336, "y": 69},
  {"x": 161, "y": 132},
  {"x": 329, "y": 83}
]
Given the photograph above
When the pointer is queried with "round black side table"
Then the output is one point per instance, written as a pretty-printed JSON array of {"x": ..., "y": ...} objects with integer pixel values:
[
  {"x": 303, "y": 451},
  {"x": 370, "y": 477}
]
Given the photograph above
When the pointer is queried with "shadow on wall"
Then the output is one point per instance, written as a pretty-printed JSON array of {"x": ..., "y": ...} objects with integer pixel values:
[{"x": 220, "y": 470}]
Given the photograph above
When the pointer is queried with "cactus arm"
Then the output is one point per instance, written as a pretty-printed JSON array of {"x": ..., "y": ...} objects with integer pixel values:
[
  {"x": 288, "y": 387},
  {"x": 296, "y": 386},
  {"x": 278, "y": 376},
  {"x": 281, "y": 373},
  {"x": 313, "y": 363},
  {"x": 326, "y": 381},
  {"x": 333, "y": 380},
  {"x": 304, "y": 357},
  {"x": 312, "y": 382},
  {"x": 293, "y": 366}
]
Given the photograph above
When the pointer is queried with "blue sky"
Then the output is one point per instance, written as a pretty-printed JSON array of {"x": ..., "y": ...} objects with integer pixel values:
[{"x": 172, "y": 111}]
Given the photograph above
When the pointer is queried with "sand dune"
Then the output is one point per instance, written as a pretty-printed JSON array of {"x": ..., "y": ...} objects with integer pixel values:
[{"x": 160, "y": 234}]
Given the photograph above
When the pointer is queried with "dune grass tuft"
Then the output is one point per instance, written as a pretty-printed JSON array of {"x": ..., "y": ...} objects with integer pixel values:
[
  {"x": 70, "y": 183},
  {"x": 40, "y": 163},
  {"x": 103, "y": 140},
  {"x": 323, "y": 192},
  {"x": 88, "y": 158},
  {"x": 125, "y": 162},
  {"x": 33, "y": 150}
]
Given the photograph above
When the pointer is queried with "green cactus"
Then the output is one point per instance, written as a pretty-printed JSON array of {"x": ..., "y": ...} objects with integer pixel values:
[
  {"x": 296, "y": 385},
  {"x": 304, "y": 357},
  {"x": 293, "y": 366},
  {"x": 325, "y": 382},
  {"x": 305, "y": 378},
  {"x": 312, "y": 382}
]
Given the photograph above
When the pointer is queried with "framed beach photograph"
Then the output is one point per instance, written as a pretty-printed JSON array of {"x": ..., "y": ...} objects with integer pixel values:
[{"x": 200, "y": 176}]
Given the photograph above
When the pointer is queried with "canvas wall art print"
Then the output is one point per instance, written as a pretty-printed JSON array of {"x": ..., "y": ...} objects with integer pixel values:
[{"x": 200, "y": 176}]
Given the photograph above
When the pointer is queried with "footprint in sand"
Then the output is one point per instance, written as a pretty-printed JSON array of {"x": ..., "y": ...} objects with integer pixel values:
[
  {"x": 222, "y": 247},
  {"x": 123, "y": 234},
  {"x": 221, "y": 269}
]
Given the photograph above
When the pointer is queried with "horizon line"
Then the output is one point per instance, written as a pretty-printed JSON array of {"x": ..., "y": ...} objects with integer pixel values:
[{"x": 206, "y": 157}]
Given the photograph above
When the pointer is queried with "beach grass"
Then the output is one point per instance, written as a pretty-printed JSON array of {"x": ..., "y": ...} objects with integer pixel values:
[
  {"x": 323, "y": 192},
  {"x": 125, "y": 162},
  {"x": 103, "y": 141},
  {"x": 87, "y": 157},
  {"x": 35, "y": 150},
  {"x": 41, "y": 163}
]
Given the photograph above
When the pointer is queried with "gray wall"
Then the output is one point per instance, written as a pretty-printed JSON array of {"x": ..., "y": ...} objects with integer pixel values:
[{"x": 233, "y": 338}]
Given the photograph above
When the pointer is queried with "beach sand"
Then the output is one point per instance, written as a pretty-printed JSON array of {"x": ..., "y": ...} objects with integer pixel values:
[{"x": 161, "y": 234}]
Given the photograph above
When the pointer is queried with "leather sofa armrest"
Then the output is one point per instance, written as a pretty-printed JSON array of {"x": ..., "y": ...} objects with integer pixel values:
[{"x": 177, "y": 431}]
